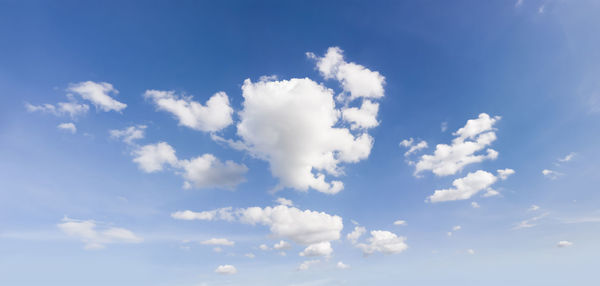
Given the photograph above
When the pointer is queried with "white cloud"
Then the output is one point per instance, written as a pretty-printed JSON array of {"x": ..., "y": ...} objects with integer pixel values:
[
  {"x": 564, "y": 243},
  {"x": 363, "y": 117},
  {"x": 282, "y": 245},
  {"x": 204, "y": 171},
  {"x": 475, "y": 205},
  {"x": 98, "y": 94},
  {"x": 218, "y": 214},
  {"x": 342, "y": 265},
  {"x": 318, "y": 249},
  {"x": 464, "y": 188},
  {"x": 470, "y": 251},
  {"x": 552, "y": 175},
  {"x": 250, "y": 255},
  {"x": 383, "y": 241},
  {"x": 444, "y": 126},
  {"x": 152, "y": 158},
  {"x": 470, "y": 139},
  {"x": 264, "y": 247},
  {"x": 93, "y": 237},
  {"x": 129, "y": 134},
  {"x": 567, "y": 158},
  {"x": 213, "y": 116},
  {"x": 505, "y": 173},
  {"x": 285, "y": 202},
  {"x": 226, "y": 269},
  {"x": 73, "y": 109},
  {"x": 456, "y": 228},
  {"x": 534, "y": 208},
  {"x": 218, "y": 249},
  {"x": 356, "y": 233},
  {"x": 218, "y": 241},
  {"x": 307, "y": 264},
  {"x": 400, "y": 222},
  {"x": 68, "y": 126},
  {"x": 412, "y": 148},
  {"x": 356, "y": 80},
  {"x": 530, "y": 222}
]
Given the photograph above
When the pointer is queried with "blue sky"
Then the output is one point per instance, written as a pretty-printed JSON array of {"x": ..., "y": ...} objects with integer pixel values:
[{"x": 239, "y": 143}]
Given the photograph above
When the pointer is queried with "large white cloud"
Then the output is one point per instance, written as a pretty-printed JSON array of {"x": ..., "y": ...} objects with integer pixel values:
[
  {"x": 470, "y": 139},
  {"x": 213, "y": 116},
  {"x": 98, "y": 93},
  {"x": 383, "y": 241},
  {"x": 205, "y": 171},
  {"x": 94, "y": 236},
  {"x": 466, "y": 187}
]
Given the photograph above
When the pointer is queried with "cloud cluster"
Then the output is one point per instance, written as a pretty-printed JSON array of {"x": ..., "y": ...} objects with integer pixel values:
[
  {"x": 94, "y": 236},
  {"x": 476, "y": 135},
  {"x": 205, "y": 171},
  {"x": 210, "y": 117}
]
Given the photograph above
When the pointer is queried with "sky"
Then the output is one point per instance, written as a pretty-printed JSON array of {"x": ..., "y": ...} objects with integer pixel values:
[{"x": 299, "y": 142}]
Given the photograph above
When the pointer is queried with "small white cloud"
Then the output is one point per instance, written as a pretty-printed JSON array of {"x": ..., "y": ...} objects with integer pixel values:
[
  {"x": 218, "y": 241},
  {"x": 94, "y": 236},
  {"x": 307, "y": 264},
  {"x": 567, "y": 158},
  {"x": 412, "y": 148},
  {"x": 129, "y": 134},
  {"x": 152, "y": 158},
  {"x": 564, "y": 243},
  {"x": 226, "y": 269},
  {"x": 264, "y": 247},
  {"x": 284, "y": 201},
  {"x": 503, "y": 174},
  {"x": 456, "y": 228},
  {"x": 69, "y": 127},
  {"x": 250, "y": 255},
  {"x": 211, "y": 117},
  {"x": 383, "y": 241},
  {"x": 475, "y": 205},
  {"x": 534, "y": 208},
  {"x": 282, "y": 245},
  {"x": 464, "y": 188},
  {"x": 444, "y": 126},
  {"x": 552, "y": 175},
  {"x": 98, "y": 94},
  {"x": 470, "y": 251},
  {"x": 318, "y": 249},
  {"x": 342, "y": 265},
  {"x": 530, "y": 222},
  {"x": 400, "y": 222},
  {"x": 218, "y": 214},
  {"x": 356, "y": 233}
]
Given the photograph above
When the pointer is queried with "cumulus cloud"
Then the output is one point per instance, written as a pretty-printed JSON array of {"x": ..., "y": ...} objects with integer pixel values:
[
  {"x": 264, "y": 247},
  {"x": 307, "y": 264},
  {"x": 465, "y": 149},
  {"x": 466, "y": 187},
  {"x": 342, "y": 265},
  {"x": 129, "y": 134},
  {"x": 218, "y": 241},
  {"x": 505, "y": 173},
  {"x": 318, "y": 249},
  {"x": 205, "y": 171},
  {"x": 412, "y": 148},
  {"x": 68, "y": 126},
  {"x": 475, "y": 205},
  {"x": 356, "y": 233},
  {"x": 94, "y": 236},
  {"x": 98, "y": 93},
  {"x": 284, "y": 201},
  {"x": 282, "y": 245},
  {"x": 226, "y": 269},
  {"x": 363, "y": 117},
  {"x": 564, "y": 243},
  {"x": 383, "y": 241},
  {"x": 213, "y": 116}
]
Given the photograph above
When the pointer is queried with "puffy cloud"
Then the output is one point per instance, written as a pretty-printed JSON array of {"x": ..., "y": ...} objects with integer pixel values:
[
  {"x": 290, "y": 123},
  {"x": 356, "y": 233},
  {"x": 356, "y": 80},
  {"x": 552, "y": 175},
  {"x": 564, "y": 243},
  {"x": 342, "y": 265},
  {"x": 226, "y": 269},
  {"x": 264, "y": 247},
  {"x": 218, "y": 214},
  {"x": 68, "y": 126},
  {"x": 318, "y": 249},
  {"x": 307, "y": 264},
  {"x": 218, "y": 241},
  {"x": 383, "y": 241},
  {"x": 475, "y": 205},
  {"x": 98, "y": 94},
  {"x": 95, "y": 238},
  {"x": 464, "y": 188},
  {"x": 400, "y": 222},
  {"x": 505, "y": 173},
  {"x": 470, "y": 139},
  {"x": 204, "y": 171},
  {"x": 363, "y": 117},
  {"x": 152, "y": 158},
  {"x": 284, "y": 201},
  {"x": 213, "y": 116},
  {"x": 412, "y": 148},
  {"x": 282, "y": 245},
  {"x": 456, "y": 228},
  {"x": 129, "y": 134}
]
